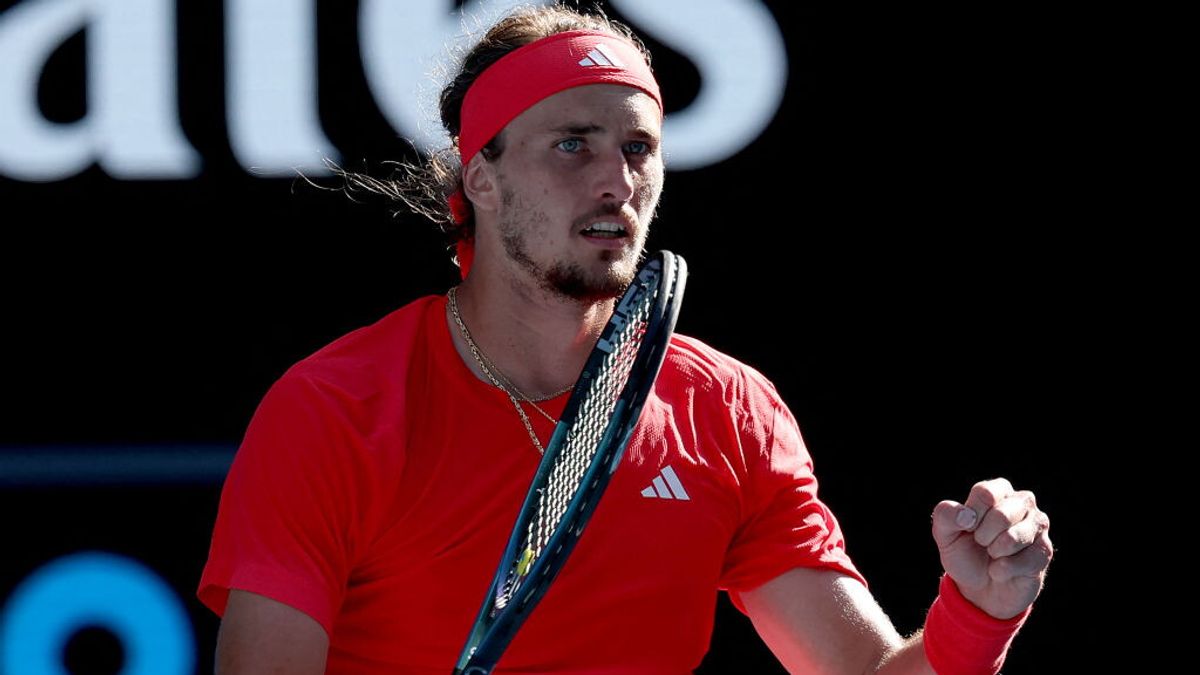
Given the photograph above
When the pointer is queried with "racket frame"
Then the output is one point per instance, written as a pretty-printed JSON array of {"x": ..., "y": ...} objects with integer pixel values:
[{"x": 494, "y": 629}]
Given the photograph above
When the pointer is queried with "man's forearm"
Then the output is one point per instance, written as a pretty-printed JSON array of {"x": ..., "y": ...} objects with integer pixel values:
[{"x": 909, "y": 659}]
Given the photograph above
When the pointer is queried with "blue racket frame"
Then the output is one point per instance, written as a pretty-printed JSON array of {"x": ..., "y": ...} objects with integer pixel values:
[{"x": 495, "y": 628}]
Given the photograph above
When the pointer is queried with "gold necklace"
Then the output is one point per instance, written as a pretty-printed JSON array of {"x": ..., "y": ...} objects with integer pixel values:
[{"x": 507, "y": 385}]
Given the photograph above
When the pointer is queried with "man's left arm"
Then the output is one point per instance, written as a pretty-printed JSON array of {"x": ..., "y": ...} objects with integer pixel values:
[{"x": 995, "y": 550}]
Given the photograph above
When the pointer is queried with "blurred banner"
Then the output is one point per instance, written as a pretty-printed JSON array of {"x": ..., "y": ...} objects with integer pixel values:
[
  {"x": 101, "y": 101},
  {"x": 845, "y": 189},
  {"x": 132, "y": 124}
]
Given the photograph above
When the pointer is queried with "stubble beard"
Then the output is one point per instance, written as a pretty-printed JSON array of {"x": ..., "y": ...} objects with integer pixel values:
[{"x": 565, "y": 279}]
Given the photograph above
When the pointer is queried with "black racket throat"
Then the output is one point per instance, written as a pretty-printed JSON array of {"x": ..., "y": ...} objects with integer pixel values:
[{"x": 582, "y": 455}]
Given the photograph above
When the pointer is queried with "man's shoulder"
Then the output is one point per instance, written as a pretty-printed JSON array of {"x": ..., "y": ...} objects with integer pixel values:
[
  {"x": 695, "y": 363},
  {"x": 360, "y": 360}
]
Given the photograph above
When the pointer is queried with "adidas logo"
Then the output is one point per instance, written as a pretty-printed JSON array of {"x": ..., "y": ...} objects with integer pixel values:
[
  {"x": 666, "y": 485},
  {"x": 601, "y": 56}
]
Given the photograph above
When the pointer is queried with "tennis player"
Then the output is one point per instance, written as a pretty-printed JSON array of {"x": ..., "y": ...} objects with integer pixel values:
[{"x": 365, "y": 512}]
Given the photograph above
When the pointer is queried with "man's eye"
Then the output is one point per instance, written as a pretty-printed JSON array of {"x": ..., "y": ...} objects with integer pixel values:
[
  {"x": 637, "y": 147},
  {"x": 570, "y": 145}
]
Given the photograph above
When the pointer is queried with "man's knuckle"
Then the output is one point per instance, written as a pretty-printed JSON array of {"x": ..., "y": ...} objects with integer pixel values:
[
  {"x": 1004, "y": 544},
  {"x": 1043, "y": 521},
  {"x": 1000, "y": 485},
  {"x": 986, "y": 492},
  {"x": 985, "y": 536}
]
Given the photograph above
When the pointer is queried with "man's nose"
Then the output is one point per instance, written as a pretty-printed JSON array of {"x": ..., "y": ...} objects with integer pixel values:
[{"x": 614, "y": 178}]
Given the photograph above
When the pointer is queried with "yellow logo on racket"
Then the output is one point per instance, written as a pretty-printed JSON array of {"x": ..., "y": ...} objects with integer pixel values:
[{"x": 524, "y": 563}]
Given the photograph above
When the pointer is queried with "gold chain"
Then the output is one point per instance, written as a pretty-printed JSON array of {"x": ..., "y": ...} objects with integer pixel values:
[{"x": 507, "y": 385}]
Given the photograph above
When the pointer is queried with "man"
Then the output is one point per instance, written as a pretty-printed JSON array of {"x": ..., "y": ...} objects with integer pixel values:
[{"x": 365, "y": 512}]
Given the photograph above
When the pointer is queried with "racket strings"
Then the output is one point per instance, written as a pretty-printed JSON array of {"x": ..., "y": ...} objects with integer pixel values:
[{"x": 581, "y": 444}]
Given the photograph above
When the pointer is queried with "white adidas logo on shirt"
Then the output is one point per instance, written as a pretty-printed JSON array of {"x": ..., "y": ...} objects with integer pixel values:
[
  {"x": 601, "y": 56},
  {"x": 666, "y": 485}
]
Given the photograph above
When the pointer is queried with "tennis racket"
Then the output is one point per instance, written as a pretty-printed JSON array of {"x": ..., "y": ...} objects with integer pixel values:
[{"x": 584, "y": 451}]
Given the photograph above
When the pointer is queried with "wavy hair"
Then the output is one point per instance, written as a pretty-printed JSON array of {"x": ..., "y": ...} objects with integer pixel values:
[{"x": 425, "y": 187}]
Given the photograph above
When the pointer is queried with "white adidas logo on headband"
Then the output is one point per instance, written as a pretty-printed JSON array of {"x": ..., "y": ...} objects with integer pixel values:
[{"x": 601, "y": 56}]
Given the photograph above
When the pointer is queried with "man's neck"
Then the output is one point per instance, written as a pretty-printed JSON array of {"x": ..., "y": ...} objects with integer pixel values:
[{"x": 537, "y": 339}]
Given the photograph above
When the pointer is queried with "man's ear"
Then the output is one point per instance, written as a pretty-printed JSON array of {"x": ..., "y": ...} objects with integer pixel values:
[{"x": 479, "y": 183}]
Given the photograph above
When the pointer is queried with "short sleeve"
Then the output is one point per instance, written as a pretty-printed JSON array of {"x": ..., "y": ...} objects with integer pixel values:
[
  {"x": 284, "y": 524},
  {"x": 786, "y": 524}
]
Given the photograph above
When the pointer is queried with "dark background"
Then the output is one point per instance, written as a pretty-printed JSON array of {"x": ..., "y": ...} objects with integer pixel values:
[{"x": 906, "y": 252}]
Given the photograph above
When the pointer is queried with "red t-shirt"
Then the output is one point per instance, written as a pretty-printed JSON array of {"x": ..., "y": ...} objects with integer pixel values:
[{"x": 379, "y": 479}]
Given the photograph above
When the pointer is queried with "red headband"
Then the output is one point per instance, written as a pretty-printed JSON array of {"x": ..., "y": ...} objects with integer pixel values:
[
  {"x": 528, "y": 74},
  {"x": 531, "y": 73}
]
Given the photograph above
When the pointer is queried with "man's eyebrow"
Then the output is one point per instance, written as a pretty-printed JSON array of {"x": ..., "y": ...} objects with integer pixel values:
[
  {"x": 642, "y": 132},
  {"x": 583, "y": 129},
  {"x": 578, "y": 129}
]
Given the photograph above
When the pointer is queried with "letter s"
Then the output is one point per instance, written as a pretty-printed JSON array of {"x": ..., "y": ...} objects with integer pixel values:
[{"x": 739, "y": 50}]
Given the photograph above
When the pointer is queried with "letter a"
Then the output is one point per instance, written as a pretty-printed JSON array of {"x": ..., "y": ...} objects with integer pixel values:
[{"x": 132, "y": 122}]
